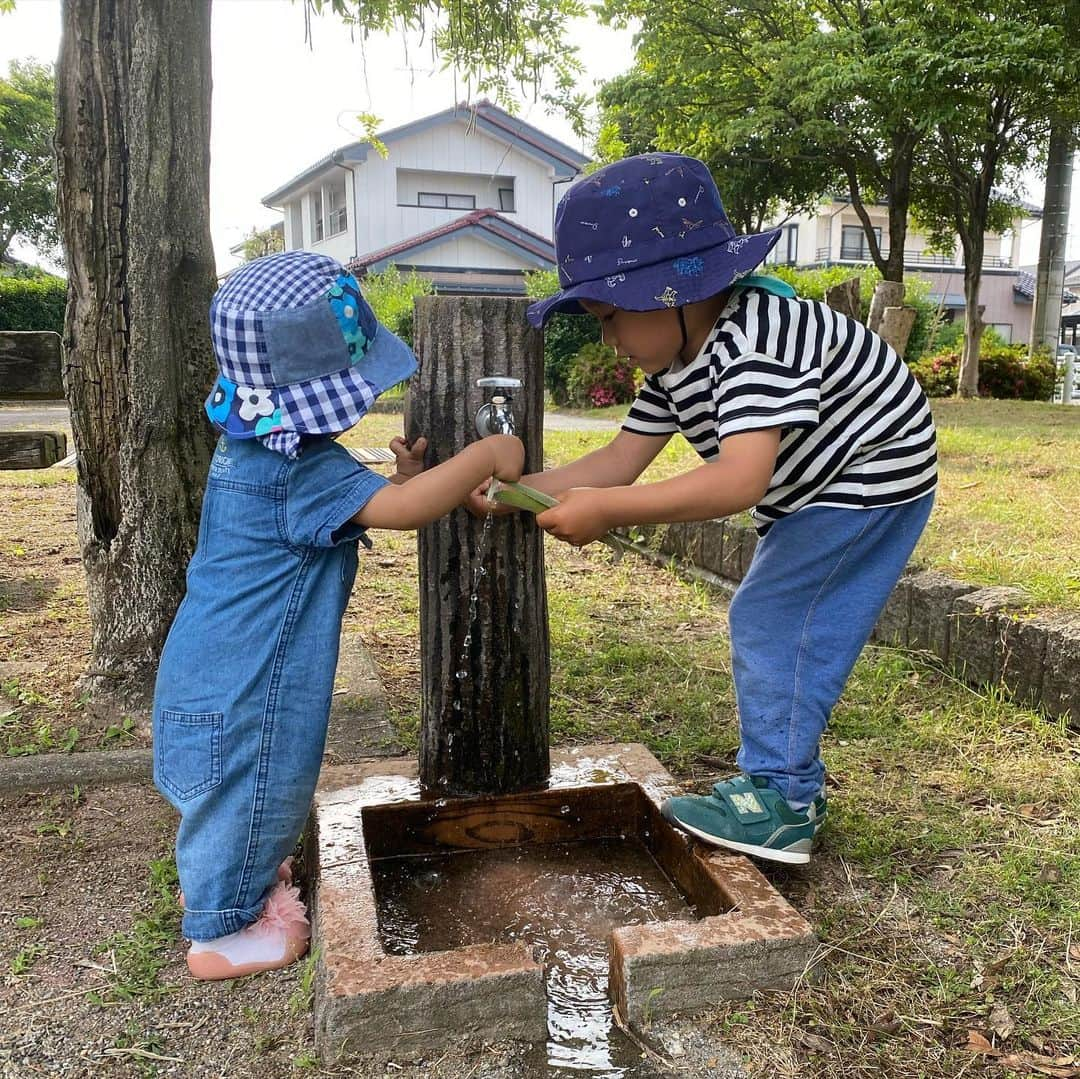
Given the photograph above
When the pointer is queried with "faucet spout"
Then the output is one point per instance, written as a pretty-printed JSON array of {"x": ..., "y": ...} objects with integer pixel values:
[{"x": 496, "y": 417}]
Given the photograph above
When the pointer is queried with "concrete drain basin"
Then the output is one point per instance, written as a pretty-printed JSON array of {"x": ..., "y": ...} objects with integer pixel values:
[{"x": 516, "y": 917}]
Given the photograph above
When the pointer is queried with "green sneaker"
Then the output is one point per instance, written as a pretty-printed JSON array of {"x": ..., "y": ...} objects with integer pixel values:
[{"x": 747, "y": 815}]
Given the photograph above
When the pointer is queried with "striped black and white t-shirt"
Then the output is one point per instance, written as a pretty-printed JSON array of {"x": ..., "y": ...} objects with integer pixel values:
[{"x": 856, "y": 429}]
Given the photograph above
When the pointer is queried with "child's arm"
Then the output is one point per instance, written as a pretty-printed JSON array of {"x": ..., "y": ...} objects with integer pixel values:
[
  {"x": 620, "y": 462},
  {"x": 426, "y": 497},
  {"x": 737, "y": 480}
]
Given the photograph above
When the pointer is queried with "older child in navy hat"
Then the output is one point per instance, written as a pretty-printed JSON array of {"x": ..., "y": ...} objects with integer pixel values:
[
  {"x": 243, "y": 689},
  {"x": 801, "y": 415}
]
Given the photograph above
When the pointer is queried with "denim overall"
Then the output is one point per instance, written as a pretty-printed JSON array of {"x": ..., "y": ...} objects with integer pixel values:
[{"x": 244, "y": 686}]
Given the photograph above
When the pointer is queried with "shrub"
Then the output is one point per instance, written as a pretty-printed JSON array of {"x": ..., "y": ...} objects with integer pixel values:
[
  {"x": 1004, "y": 372},
  {"x": 391, "y": 294},
  {"x": 564, "y": 336},
  {"x": 32, "y": 303},
  {"x": 598, "y": 378}
]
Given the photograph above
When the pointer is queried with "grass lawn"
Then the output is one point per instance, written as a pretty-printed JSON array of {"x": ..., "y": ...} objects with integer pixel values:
[
  {"x": 1008, "y": 508},
  {"x": 946, "y": 892}
]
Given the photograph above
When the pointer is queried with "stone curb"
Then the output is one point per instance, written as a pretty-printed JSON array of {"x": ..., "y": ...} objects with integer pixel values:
[
  {"x": 359, "y": 729},
  {"x": 986, "y": 636}
]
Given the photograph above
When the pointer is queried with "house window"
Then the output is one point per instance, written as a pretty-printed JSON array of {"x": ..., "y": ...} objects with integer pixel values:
[
  {"x": 329, "y": 216},
  {"x": 337, "y": 218},
  {"x": 444, "y": 201},
  {"x": 296, "y": 223},
  {"x": 506, "y": 199},
  {"x": 854, "y": 245},
  {"x": 786, "y": 251},
  {"x": 1004, "y": 329}
]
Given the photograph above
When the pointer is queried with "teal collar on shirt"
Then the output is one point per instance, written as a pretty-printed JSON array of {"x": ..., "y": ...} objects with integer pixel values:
[{"x": 767, "y": 284}]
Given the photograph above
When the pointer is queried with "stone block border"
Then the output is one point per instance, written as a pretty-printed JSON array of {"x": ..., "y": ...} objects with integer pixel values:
[{"x": 984, "y": 635}]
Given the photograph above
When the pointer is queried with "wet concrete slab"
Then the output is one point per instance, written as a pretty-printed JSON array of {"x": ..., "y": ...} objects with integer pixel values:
[{"x": 722, "y": 931}]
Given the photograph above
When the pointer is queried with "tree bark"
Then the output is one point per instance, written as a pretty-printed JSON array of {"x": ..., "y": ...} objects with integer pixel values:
[
  {"x": 485, "y": 671},
  {"x": 967, "y": 380},
  {"x": 886, "y": 294},
  {"x": 896, "y": 326},
  {"x": 845, "y": 298},
  {"x": 132, "y": 142},
  {"x": 1050, "y": 276}
]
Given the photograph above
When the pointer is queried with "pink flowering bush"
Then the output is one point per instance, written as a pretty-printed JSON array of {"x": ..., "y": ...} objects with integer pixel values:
[
  {"x": 599, "y": 378},
  {"x": 1004, "y": 372}
]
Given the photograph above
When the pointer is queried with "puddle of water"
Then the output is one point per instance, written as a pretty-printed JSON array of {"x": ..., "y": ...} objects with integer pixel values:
[{"x": 562, "y": 900}]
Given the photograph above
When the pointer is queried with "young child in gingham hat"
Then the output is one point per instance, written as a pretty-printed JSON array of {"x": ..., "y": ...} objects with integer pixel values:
[
  {"x": 243, "y": 689},
  {"x": 800, "y": 415}
]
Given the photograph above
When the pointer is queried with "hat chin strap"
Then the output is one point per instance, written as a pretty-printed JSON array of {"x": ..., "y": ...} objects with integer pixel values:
[{"x": 682, "y": 327}]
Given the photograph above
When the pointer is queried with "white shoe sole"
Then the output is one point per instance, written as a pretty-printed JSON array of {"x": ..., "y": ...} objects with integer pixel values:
[{"x": 770, "y": 854}]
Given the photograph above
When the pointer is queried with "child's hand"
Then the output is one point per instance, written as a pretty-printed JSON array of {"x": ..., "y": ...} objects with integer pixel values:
[
  {"x": 409, "y": 456},
  {"x": 577, "y": 519},
  {"x": 509, "y": 452},
  {"x": 479, "y": 505}
]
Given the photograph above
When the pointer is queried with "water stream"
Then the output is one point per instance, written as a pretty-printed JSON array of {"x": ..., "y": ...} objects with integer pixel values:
[{"x": 562, "y": 900}]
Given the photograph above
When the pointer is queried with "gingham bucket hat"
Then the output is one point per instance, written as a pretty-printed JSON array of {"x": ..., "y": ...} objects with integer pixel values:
[
  {"x": 299, "y": 351},
  {"x": 645, "y": 233}
]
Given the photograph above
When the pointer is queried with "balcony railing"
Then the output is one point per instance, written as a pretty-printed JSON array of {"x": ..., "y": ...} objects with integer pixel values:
[{"x": 911, "y": 258}]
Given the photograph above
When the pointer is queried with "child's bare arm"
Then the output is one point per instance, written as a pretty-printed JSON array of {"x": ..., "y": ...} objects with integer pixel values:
[
  {"x": 737, "y": 480},
  {"x": 620, "y": 462},
  {"x": 426, "y": 497}
]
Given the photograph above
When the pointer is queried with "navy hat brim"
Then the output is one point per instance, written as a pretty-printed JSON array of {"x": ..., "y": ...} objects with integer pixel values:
[{"x": 669, "y": 283}]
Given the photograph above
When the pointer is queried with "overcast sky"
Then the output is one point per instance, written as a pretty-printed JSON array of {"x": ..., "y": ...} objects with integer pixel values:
[{"x": 280, "y": 105}]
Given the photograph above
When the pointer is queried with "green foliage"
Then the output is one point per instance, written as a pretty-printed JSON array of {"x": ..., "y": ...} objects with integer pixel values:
[
  {"x": 391, "y": 294},
  {"x": 32, "y": 303},
  {"x": 27, "y": 181},
  {"x": 641, "y": 112},
  {"x": 495, "y": 46},
  {"x": 1004, "y": 372},
  {"x": 598, "y": 378},
  {"x": 564, "y": 336},
  {"x": 260, "y": 242}
]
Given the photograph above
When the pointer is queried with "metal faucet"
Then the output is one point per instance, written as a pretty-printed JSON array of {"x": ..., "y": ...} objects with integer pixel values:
[{"x": 495, "y": 417}]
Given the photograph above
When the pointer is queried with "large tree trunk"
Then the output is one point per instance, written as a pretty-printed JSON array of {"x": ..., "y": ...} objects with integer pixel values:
[
  {"x": 132, "y": 141},
  {"x": 484, "y": 664},
  {"x": 1050, "y": 277},
  {"x": 967, "y": 381}
]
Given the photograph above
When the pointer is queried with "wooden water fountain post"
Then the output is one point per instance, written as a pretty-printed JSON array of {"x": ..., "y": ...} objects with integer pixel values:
[{"x": 484, "y": 680}]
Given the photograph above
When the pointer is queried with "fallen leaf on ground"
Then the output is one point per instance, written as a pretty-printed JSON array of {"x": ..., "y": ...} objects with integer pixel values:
[
  {"x": 979, "y": 1043},
  {"x": 1063, "y": 1067},
  {"x": 1001, "y": 1021}
]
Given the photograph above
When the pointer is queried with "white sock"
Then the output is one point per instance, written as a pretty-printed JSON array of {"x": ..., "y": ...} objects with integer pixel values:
[{"x": 245, "y": 946}]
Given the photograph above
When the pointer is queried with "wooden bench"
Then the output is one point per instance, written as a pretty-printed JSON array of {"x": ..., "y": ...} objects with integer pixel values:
[{"x": 31, "y": 449}]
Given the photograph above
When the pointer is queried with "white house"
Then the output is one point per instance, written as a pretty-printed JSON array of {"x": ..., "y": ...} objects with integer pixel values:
[
  {"x": 466, "y": 196},
  {"x": 833, "y": 235}
]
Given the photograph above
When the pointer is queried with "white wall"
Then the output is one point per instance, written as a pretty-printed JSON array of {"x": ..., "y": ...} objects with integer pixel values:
[
  {"x": 449, "y": 147},
  {"x": 465, "y": 252}
]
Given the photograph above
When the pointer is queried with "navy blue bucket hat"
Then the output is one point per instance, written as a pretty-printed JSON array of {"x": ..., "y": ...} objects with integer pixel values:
[
  {"x": 299, "y": 351},
  {"x": 645, "y": 233}
]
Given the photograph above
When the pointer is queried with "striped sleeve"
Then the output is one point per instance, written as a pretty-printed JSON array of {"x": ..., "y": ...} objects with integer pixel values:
[
  {"x": 771, "y": 359},
  {"x": 652, "y": 412}
]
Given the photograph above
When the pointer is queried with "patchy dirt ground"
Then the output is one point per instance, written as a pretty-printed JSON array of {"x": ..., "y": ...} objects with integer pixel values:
[{"x": 946, "y": 892}]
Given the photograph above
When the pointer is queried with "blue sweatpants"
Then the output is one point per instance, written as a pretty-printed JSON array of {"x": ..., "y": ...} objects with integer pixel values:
[{"x": 799, "y": 620}]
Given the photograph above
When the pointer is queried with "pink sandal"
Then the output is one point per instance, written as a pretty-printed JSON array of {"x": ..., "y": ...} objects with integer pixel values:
[{"x": 277, "y": 939}]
